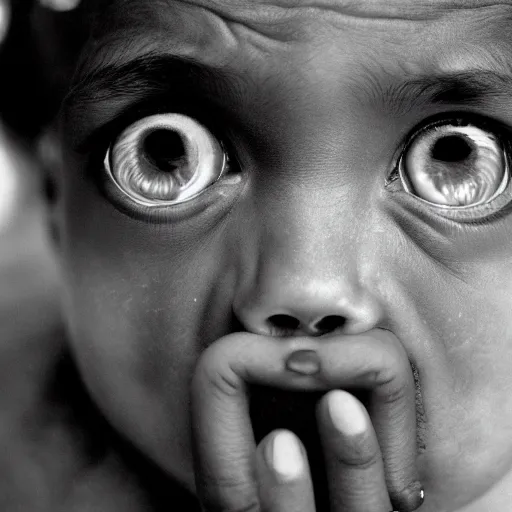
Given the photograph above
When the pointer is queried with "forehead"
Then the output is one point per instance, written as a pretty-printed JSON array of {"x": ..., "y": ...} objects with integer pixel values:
[
  {"x": 278, "y": 11},
  {"x": 264, "y": 8},
  {"x": 235, "y": 34},
  {"x": 214, "y": 29},
  {"x": 204, "y": 21}
]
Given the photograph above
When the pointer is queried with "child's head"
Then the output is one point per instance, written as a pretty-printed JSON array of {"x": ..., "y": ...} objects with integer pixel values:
[{"x": 294, "y": 169}]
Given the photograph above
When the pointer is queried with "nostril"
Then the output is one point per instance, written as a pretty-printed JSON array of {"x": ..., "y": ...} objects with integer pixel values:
[
  {"x": 283, "y": 322},
  {"x": 286, "y": 325},
  {"x": 329, "y": 324}
]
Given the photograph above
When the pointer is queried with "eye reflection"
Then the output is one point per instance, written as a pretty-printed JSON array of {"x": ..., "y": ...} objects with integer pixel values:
[
  {"x": 165, "y": 159},
  {"x": 452, "y": 165}
]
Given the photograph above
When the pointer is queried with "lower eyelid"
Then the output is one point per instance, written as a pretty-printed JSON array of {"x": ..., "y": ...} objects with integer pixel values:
[
  {"x": 469, "y": 215},
  {"x": 224, "y": 189},
  {"x": 479, "y": 214}
]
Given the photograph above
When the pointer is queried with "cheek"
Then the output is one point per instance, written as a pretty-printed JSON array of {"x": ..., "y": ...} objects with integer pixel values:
[
  {"x": 138, "y": 297},
  {"x": 459, "y": 324}
]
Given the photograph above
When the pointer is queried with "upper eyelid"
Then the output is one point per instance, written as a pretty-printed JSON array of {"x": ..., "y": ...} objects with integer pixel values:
[
  {"x": 104, "y": 94},
  {"x": 464, "y": 215},
  {"x": 116, "y": 122},
  {"x": 102, "y": 139},
  {"x": 498, "y": 127},
  {"x": 107, "y": 119},
  {"x": 154, "y": 74}
]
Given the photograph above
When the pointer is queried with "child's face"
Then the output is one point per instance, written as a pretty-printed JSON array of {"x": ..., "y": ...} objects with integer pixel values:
[{"x": 316, "y": 107}]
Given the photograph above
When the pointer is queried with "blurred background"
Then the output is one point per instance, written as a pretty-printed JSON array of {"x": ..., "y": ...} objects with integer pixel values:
[{"x": 39, "y": 43}]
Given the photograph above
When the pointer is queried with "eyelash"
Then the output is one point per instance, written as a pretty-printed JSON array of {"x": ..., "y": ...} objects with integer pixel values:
[
  {"x": 100, "y": 140},
  {"x": 477, "y": 215}
]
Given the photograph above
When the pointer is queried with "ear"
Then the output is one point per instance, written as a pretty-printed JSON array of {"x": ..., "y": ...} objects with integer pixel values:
[{"x": 50, "y": 156}]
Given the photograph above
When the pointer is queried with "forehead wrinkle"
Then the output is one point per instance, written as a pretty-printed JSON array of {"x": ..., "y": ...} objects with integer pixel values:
[
  {"x": 270, "y": 12},
  {"x": 127, "y": 41},
  {"x": 129, "y": 24},
  {"x": 395, "y": 7},
  {"x": 117, "y": 38},
  {"x": 278, "y": 20}
]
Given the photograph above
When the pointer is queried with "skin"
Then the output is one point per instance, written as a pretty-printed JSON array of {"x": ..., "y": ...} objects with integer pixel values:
[{"x": 168, "y": 314}]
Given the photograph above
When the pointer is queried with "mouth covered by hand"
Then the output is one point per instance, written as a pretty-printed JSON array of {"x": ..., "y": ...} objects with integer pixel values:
[{"x": 247, "y": 385}]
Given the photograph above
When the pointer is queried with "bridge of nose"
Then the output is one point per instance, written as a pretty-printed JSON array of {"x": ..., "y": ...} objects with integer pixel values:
[{"x": 300, "y": 270}]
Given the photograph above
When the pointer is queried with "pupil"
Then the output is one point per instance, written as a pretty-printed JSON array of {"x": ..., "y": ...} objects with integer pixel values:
[
  {"x": 164, "y": 149},
  {"x": 452, "y": 148}
]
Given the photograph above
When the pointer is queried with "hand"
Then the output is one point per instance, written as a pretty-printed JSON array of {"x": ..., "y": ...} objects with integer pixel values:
[{"x": 371, "y": 463}]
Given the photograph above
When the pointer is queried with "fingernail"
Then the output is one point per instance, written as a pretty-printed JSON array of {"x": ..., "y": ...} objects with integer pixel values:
[
  {"x": 305, "y": 362},
  {"x": 286, "y": 456},
  {"x": 347, "y": 414}
]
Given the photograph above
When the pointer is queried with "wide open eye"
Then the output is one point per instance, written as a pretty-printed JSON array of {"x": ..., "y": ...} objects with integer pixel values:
[
  {"x": 454, "y": 164},
  {"x": 165, "y": 159}
]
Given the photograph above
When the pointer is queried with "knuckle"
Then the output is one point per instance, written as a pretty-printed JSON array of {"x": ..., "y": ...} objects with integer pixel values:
[
  {"x": 229, "y": 495},
  {"x": 360, "y": 456},
  {"x": 251, "y": 506},
  {"x": 362, "y": 463},
  {"x": 216, "y": 374},
  {"x": 389, "y": 386},
  {"x": 226, "y": 383},
  {"x": 394, "y": 394},
  {"x": 391, "y": 379}
]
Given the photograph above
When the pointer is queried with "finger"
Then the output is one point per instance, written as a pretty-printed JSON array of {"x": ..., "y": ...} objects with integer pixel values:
[
  {"x": 283, "y": 474},
  {"x": 392, "y": 409},
  {"x": 224, "y": 446},
  {"x": 353, "y": 458},
  {"x": 224, "y": 443}
]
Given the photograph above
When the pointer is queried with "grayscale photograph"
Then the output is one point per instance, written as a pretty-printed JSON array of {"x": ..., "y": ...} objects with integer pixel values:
[{"x": 255, "y": 256}]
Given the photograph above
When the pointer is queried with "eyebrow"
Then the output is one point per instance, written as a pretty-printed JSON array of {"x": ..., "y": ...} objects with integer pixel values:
[
  {"x": 148, "y": 72},
  {"x": 475, "y": 87},
  {"x": 102, "y": 94}
]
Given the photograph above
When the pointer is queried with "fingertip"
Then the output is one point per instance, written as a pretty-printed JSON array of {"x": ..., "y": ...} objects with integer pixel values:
[
  {"x": 344, "y": 413},
  {"x": 410, "y": 498},
  {"x": 284, "y": 455},
  {"x": 282, "y": 469}
]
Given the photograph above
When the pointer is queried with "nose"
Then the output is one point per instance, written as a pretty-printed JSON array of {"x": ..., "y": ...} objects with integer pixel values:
[
  {"x": 306, "y": 306},
  {"x": 304, "y": 280}
]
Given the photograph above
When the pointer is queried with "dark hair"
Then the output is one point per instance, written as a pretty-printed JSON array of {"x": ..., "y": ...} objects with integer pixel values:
[{"x": 37, "y": 60}]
